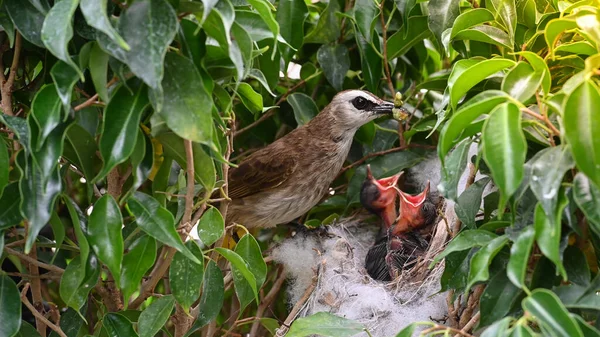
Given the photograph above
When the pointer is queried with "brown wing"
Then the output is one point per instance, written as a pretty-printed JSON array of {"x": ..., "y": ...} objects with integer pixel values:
[{"x": 260, "y": 172}]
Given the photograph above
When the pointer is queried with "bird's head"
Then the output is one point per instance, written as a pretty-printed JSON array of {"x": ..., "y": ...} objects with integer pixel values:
[
  {"x": 412, "y": 215},
  {"x": 378, "y": 196},
  {"x": 354, "y": 108}
]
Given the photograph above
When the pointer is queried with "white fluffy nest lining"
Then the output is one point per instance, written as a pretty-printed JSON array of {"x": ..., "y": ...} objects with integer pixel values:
[{"x": 343, "y": 286}]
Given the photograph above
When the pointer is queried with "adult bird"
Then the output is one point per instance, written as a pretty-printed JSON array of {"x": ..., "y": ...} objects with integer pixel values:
[
  {"x": 284, "y": 180},
  {"x": 401, "y": 244}
]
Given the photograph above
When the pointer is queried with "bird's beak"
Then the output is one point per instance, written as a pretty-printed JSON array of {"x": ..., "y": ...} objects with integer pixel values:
[
  {"x": 384, "y": 108},
  {"x": 387, "y": 196},
  {"x": 411, "y": 206}
]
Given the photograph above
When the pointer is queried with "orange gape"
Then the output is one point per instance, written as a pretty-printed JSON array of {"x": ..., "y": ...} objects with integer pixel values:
[{"x": 411, "y": 211}]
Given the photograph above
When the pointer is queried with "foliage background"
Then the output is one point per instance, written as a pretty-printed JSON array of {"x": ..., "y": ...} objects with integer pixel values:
[{"x": 118, "y": 104}]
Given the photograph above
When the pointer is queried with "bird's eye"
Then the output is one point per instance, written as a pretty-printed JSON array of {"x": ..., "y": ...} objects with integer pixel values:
[{"x": 360, "y": 103}]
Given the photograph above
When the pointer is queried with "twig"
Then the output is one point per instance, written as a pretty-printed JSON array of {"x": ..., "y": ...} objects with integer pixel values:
[
  {"x": 36, "y": 287},
  {"x": 439, "y": 327},
  {"x": 472, "y": 303},
  {"x": 386, "y": 66},
  {"x": 470, "y": 324},
  {"x": 50, "y": 276},
  {"x": 94, "y": 99},
  {"x": 7, "y": 84},
  {"x": 542, "y": 118},
  {"x": 38, "y": 315},
  {"x": 267, "y": 300},
  {"x": 34, "y": 261},
  {"x": 283, "y": 329},
  {"x": 382, "y": 153}
]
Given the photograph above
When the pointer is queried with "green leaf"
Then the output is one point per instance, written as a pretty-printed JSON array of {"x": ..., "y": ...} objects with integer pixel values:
[
  {"x": 522, "y": 81},
  {"x": 185, "y": 276},
  {"x": 148, "y": 27},
  {"x": 104, "y": 234},
  {"x": 455, "y": 164},
  {"x": 547, "y": 235},
  {"x": 365, "y": 12},
  {"x": 98, "y": 65},
  {"x": 211, "y": 226},
  {"x": 469, "y": 19},
  {"x": 547, "y": 170},
  {"x": 408, "y": 331},
  {"x": 69, "y": 286},
  {"x": 117, "y": 325},
  {"x": 486, "y": 34},
  {"x": 10, "y": 306},
  {"x": 187, "y": 104},
  {"x": 154, "y": 317},
  {"x": 538, "y": 64},
  {"x": 38, "y": 198},
  {"x": 57, "y": 31},
  {"x": 497, "y": 299},
  {"x": 522, "y": 331},
  {"x": 10, "y": 213},
  {"x": 158, "y": 222},
  {"x": 242, "y": 276},
  {"x": 335, "y": 62},
  {"x": 251, "y": 99},
  {"x": 249, "y": 250},
  {"x": 324, "y": 324},
  {"x": 291, "y": 15},
  {"x": 479, "y": 270},
  {"x": 79, "y": 222},
  {"x": 28, "y": 20},
  {"x": 204, "y": 168},
  {"x": 580, "y": 120},
  {"x": 120, "y": 124},
  {"x": 442, "y": 14},
  {"x": 474, "y": 74},
  {"x": 579, "y": 47},
  {"x": 519, "y": 257},
  {"x": 328, "y": 27},
  {"x": 479, "y": 105},
  {"x": 260, "y": 77},
  {"x": 58, "y": 229},
  {"x": 136, "y": 263},
  {"x": 586, "y": 194},
  {"x": 551, "y": 313},
  {"x": 469, "y": 202},
  {"x": 80, "y": 149},
  {"x": 263, "y": 8},
  {"x": 4, "y": 165},
  {"x": 371, "y": 63},
  {"x": 212, "y": 297},
  {"x": 96, "y": 16},
  {"x": 576, "y": 266},
  {"x": 142, "y": 160},
  {"x": 498, "y": 329},
  {"x": 27, "y": 330},
  {"x": 65, "y": 77},
  {"x": 412, "y": 33},
  {"x": 507, "y": 13},
  {"x": 553, "y": 30},
  {"x": 7, "y": 25},
  {"x": 46, "y": 111},
  {"x": 504, "y": 149},
  {"x": 304, "y": 107},
  {"x": 465, "y": 240}
]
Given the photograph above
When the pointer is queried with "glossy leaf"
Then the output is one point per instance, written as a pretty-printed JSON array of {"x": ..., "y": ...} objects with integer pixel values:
[
  {"x": 325, "y": 324},
  {"x": 185, "y": 276},
  {"x": 547, "y": 235},
  {"x": 335, "y": 62},
  {"x": 249, "y": 250},
  {"x": 580, "y": 120},
  {"x": 371, "y": 63},
  {"x": 365, "y": 12},
  {"x": 547, "y": 170},
  {"x": 479, "y": 105},
  {"x": 80, "y": 149},
  {"x": 469, "y": 202},
  {"x": 474, "y": 74},
  {"x": 455, "y": 164},
  {"x": 8, "y": 26},
  {"x": 98, "y": 64},
  {"x": 469, "y": 19},
  {"x": 504, "y": 149},
  {"x": 252, "y": 100},
  {"x": 538, "y": 64},
  {"x": 328, "y": 27},
  {"x": 486, "y": 34},
  {"x": 410, "y": 35},
  {"x": 304, "y": 107},
  {"x": 480, "y": 262},
  {"x": 57, "y": 31},
  {"x": 10, "y": 213},
  {"x": 442, "y": 14},
  {"x": 242, "y": 276},
  {"x": 587, "y": 196},
  {"x": 10, "y": 306},
  {"x": 136, "y": 263},
  {"x": 466, "y": 240},
  {"x": 28, "y": 19},
  {"x": 263, "y": 7},
  {"x": 212, "y": 297},
  {"x": 186, "y": 108},
  {"x": 158, "y": 222},
  {"x": 4, "y": 165},
  {"x": 64, "y": 77},
  {"x": 120, "y": 125},
  {"x": 497, "y": 299},
  {"x": 551, "y": 313},
  {"x": 117, "y": 325},
  {"x": 211, "y": 226},
  {"x": 522, "y": 81},
  {"x": 204, "y": 168},
  {"x": 519, "y": 257},
  {"x": 291, "y": 15},
  {"x": 104, "y": 234},
  {"x": 507, "y": 13},
  {"x": 96, "y": 16},
  {"x": 69, "y": 286},
  {"x": 154, "y": 317},
  {"x": 46, "y": 111}
]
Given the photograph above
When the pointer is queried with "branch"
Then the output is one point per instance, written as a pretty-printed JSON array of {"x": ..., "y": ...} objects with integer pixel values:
[
  {"x": 381, "y": 153},
  {"x": 33, "y": 261},
  {"x": 267, "y": 300},
  {"x": 542, "y": 118},
  {"x": 470, "y": 324},
  {"x": 36, "y": 288},
  {"x": 189, "y": 196},
  {"x": 386, "y": 66},
  {"x": 94, "y": 99},
  {"x": 7, "y": 84},
  {"x": 37, "y": 314},
  {"x": 298, "y": 306},
  {"x": 439, "y": 327}
]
